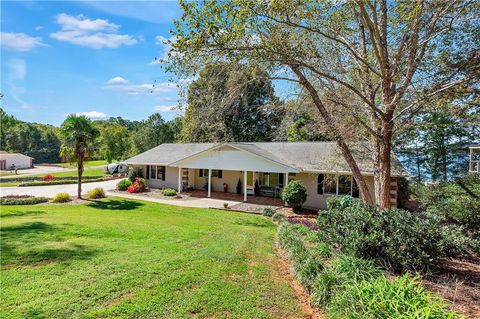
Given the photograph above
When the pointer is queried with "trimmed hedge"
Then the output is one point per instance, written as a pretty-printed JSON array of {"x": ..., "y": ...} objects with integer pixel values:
[
  {"x": 295, "y": 194},
  {"x": 351, "y": 287},
  {"x": 396, "y": 239},
  {"x": 268, "y": 211},
  {"x": 22, "y": 200},
  {"x": 40, "y": 178},
  {"x": 169, "y": 192},
  {"x": 96, "y": 193},
  {"x": 124, "y": 184},
  {"x": 62, "y": 198},
  {"x": 61, "y": 182}
]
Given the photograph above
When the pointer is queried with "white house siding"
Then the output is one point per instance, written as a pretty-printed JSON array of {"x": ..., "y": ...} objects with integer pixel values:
[
  {"x": 316, "y": 201},
  {"x": 19, "y": 160},
  {"x": 229, "y": 177}
]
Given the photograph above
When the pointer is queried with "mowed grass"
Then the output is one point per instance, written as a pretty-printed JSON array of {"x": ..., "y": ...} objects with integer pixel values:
[
  {"x": 121, "y": 258},
  {"x": 85, "y": 164}
]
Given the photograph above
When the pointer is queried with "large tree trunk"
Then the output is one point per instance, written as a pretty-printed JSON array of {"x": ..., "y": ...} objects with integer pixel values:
[
  {"x": 347, "y": 154},
  {"x": 79, "y": 175}
]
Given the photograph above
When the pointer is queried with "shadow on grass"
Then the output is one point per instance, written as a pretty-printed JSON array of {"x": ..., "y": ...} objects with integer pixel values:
[
  {"x": 115, "y": 204},
  {"x": 22, "y": 214},
  {"x": 24, "y": 245}
]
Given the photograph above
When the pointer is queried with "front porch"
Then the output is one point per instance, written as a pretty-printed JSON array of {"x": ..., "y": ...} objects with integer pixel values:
[{"x": 252, "y": 199}]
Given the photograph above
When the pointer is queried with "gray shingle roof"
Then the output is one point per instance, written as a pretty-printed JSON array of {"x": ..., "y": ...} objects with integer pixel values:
[{"x": 305, "y": 156}]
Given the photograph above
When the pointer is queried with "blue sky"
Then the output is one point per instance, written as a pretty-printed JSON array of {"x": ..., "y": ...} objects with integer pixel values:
[{"x": 60, "y": 57}]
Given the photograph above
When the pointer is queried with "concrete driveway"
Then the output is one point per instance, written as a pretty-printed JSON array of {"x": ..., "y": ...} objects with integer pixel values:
[{"x": 51, "y": 190}]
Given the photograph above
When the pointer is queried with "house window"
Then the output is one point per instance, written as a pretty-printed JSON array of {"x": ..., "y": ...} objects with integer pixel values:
[
  {"x": 157, "y": 172},
  {"x": 320, "y": 179},
  {"x": 215, "y": 173},
  {"x": 344, "y": 185},
  {"x": 330, "y": 184}
]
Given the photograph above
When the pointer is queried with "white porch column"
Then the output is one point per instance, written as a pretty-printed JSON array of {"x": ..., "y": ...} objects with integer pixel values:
[
  {"x": 285, "y": 184},
  {"x": 209, "y": 182},
  {"x": 179, "y": 189},
  {"x": 244, "y": 186}
]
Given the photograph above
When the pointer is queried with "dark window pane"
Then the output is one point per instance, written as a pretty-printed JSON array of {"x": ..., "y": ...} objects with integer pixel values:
[
  {"x": 153, "y": 172},
  {"x": 200, "y": 172},
  {"x": 220, "y": 173},
  {"x": 330, "y": 184},
  {"x": 320, "y": 184},
  {"x": 344, "y": 184},
  {"x": 355, "y": 191}
]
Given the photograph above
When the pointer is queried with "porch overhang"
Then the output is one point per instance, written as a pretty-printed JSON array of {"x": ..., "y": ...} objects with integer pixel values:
[{"x": 228, "y": 157}]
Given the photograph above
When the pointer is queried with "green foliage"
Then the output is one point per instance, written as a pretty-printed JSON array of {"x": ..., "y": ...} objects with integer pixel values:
[
  {"x": 231, "y": 102},
  {"x": 169, "y": 192},
  {"x": 295, "y": 194},
  {"x": 96, "y": 193},
  {"x": 22, "y": 200},
  {"x": 268, "y": 211},
  {"x": 395, "y": 239},
  {"x": 402, "y": 297},
  {"x": 351, "y": 287},
  {"x": 123, "y": 184},
  {"x": 62, "y": 198},
  {"x": 135, "y": 172},
  {"x": 278, "y": 217},
  {"x": 113, "y": 140}
]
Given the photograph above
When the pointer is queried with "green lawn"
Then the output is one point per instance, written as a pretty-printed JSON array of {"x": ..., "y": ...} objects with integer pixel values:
[
  {"x": 85, "y": 164},
  {"x": 131, "y": 259}
]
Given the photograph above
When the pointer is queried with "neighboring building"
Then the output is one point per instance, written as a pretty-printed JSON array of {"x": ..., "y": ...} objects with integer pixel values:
[
  {"x": 474, "y": 166},
  {"x": 319, "y": 165},
  {"x": 17, "y": 159}
]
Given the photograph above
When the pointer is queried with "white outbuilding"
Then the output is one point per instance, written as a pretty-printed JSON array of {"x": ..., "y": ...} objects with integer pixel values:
[{"x": 17, "y": 160}]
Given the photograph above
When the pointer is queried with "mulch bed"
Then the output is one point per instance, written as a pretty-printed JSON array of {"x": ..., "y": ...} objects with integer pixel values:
[{"x": 458, "y": 281}]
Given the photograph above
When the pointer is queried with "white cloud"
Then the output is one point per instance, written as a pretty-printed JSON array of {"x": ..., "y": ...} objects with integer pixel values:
[
  {"x": 117, "y": 80},
  {"x": 146, "y": 88},
  {"x": 94, "y": 34},
  {"x": 94, "y": 114},
  {"x": 19, "y": 41},
  {"x": 164, "y": 108},
  {"x": 17, "y": 69}
]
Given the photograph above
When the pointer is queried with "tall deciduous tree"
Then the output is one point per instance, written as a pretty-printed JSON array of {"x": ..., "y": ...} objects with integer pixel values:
[
  {"x": 79, "y": 134},
  {"x": 229, "y": 102},
  {"x": 112, "y": 140},
  {"x": 381, "y": 52}
]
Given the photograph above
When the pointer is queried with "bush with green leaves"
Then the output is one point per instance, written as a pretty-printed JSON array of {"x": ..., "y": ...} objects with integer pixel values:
[
  {"x": 278, "y": 217},
  {"x": 380, "y": 297},
  {"x": 123, "y": 184},
  {"x": 351, "y": 287},
  {"x": 22, "y": 200},
  {"x": 62, "y": 198},
  {"x": 395, "y": 239},
  {"x": 268, "y": 211},
  {"x": 96, "y": 193},
  {"x": 295, "y": 194},
  {"x": 135, "y": 172},
  {"x": 169, "y": 192}
]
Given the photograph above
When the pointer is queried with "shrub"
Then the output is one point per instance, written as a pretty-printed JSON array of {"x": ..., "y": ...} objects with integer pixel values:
[
  {"x": 22, "y": 200},
  {"x": 96, "y": 193},
  {"x": 403, "y": 297},
  {"x": 395, "y": 239},
  {"x": 48, "y": 178},
  {"x": 239, "y": 186},
  {"x": 256, "y": 188},
  {"x": 123, "y": 184},
  {"x": 169, "y": 192},
  {"x": 278, "y": 217},
  {"x": 62, "y": 198},
  {"x": 295, "y": 194},
  {"x": 138, "y": 186},
  {"x": 268, "y": 211},
  {"x": 134, "y": 173}
]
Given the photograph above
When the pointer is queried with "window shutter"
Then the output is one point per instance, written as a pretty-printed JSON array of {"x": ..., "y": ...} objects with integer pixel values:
[
  {"x": 320, "y": 184},
  {"x": 200, "y": 172},
  {"x": 281, "y": 178},
  {"x": 163, "y": 173},
  {"x": 220, "y": 173},
  {"x": 148, "y": 172}
]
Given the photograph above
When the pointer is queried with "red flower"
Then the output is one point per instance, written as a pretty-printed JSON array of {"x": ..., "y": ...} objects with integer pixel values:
[{"x": 48, "y": 178}]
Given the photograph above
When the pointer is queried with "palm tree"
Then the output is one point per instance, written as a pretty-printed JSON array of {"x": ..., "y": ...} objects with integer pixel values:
[{"x": 78, "y": 133}]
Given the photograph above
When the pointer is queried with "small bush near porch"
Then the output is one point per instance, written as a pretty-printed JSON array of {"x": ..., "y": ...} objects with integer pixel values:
[{"x": 118, "y": 258}]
